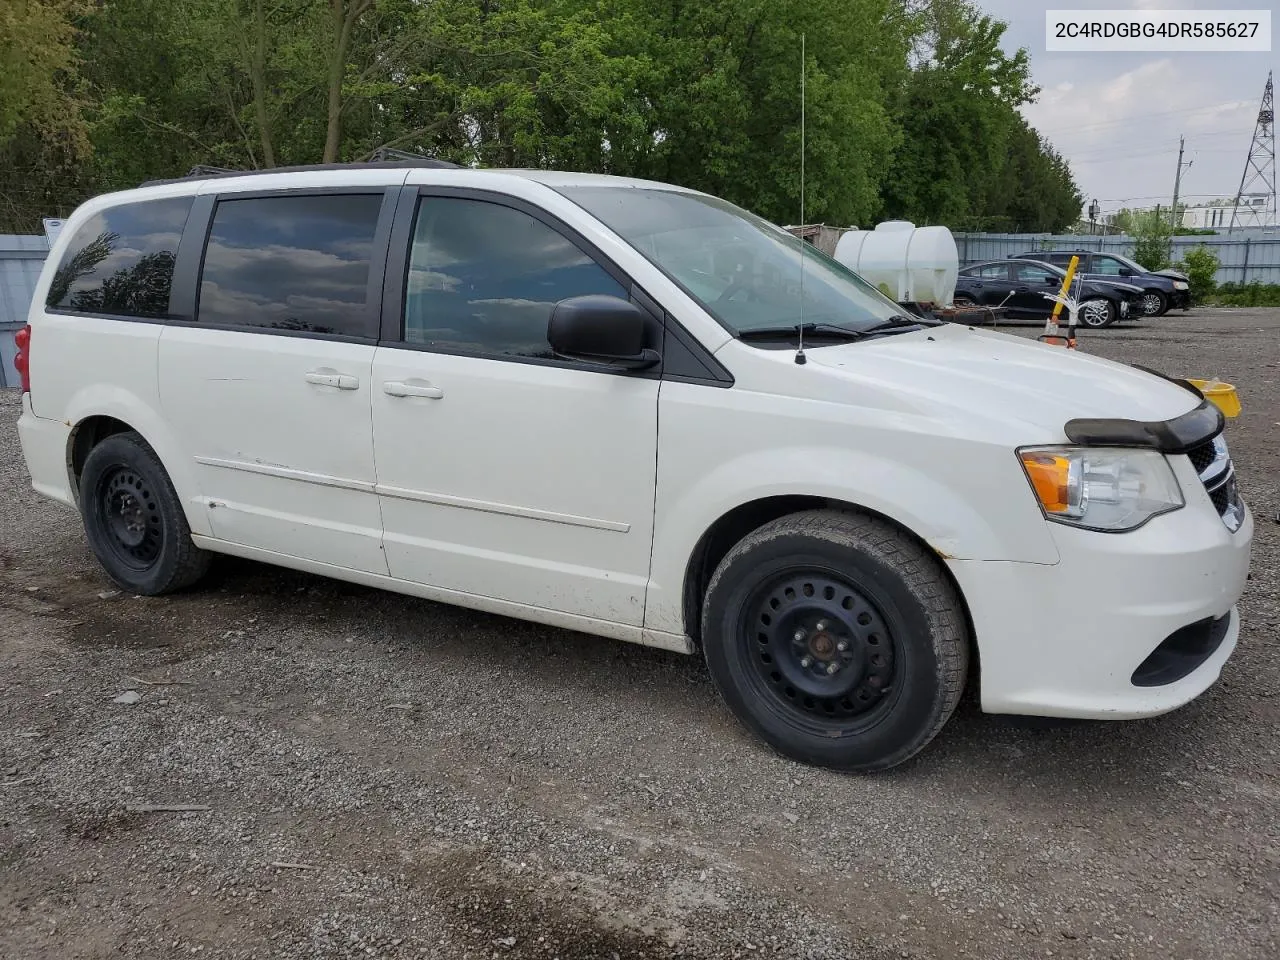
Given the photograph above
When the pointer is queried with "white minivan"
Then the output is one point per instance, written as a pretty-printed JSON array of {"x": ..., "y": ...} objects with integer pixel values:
[{"x": 585, "y": 401}]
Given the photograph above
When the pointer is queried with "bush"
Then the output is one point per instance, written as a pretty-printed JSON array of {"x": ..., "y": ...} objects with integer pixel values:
[
  {"x": 1254, "y": 294},
  {"x": 1152, "y": 246},
  {"x": 1201, "y": 267}
]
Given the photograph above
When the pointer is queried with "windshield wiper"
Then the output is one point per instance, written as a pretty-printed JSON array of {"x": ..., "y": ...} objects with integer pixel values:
[
  {"x": 795, "y": 329},
  {"x": 899, "y": 322}
]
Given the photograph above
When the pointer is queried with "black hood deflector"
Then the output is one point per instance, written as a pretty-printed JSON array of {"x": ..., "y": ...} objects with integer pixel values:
[{"x": 1179, "y": 435}]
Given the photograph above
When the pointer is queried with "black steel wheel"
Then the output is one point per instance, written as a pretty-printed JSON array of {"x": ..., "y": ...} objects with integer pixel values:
[
  {"x": 130, "y": 517},
  {"x": 837, "y": 638},
  {"x": 824, "y": 652},
  {"x": 134, "y": 520}
]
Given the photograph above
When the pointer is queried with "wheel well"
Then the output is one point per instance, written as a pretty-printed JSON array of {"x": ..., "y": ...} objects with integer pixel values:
[
  {"x": 88, "y": 433},
  {"x": 722, "y": 535}
]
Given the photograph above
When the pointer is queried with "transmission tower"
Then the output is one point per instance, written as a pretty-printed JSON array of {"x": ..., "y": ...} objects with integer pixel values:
[{"x": 1259, "y": 178}]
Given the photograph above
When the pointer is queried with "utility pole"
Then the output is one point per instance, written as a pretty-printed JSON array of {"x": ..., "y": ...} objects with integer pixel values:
[
  {"x": 1177, "y": 184},
  {"x": 1259, "y": 177}
]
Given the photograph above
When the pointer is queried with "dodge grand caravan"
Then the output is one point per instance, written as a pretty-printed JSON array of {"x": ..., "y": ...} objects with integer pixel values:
[{"x": 637, "y": 411}]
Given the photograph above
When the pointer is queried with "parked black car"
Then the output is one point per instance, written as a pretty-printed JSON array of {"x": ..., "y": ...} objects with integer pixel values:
[
  {"x": 1162, "y": 289},
  {"x": 1020, "y": 287}
]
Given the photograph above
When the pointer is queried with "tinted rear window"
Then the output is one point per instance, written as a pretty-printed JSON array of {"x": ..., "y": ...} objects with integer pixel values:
[
  {"x": 120, "y": 261},
  {"x": 291, "y": 263}
]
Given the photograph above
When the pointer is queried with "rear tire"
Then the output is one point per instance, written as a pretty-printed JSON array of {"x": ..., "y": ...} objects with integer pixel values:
[
  {"x": 134, "y": 520},
  {"x": 837, "y": 639}
]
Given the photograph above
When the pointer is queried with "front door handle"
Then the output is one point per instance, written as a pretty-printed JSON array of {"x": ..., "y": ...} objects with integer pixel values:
[
  {"x": 324, "y": 379},
  {"x": 400, "y": 388}
]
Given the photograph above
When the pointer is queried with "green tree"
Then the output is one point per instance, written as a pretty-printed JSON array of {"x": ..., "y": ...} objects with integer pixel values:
[
  {"x": 911, "y": 104},
  {"x": 1152, "y": 245},
  {"x": 1201, "y": 267},
  {"x": 43, "y": 142},
  {"x": 958, "y": 113}
]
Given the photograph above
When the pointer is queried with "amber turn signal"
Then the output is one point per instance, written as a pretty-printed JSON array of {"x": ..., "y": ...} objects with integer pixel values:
[{"x": 1051, "y": 477}]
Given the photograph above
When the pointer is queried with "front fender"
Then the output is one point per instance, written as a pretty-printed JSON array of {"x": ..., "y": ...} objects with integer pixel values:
[{"x": 1003, "y": 523}]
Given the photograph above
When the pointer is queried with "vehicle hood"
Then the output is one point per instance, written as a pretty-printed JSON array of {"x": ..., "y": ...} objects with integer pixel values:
[
  {"x": 1171, "y": 274},
  {"x": 1003, "y": 377},
  {"x": 1156, "y": 281},
  {"x": 1115, "y": 285}
]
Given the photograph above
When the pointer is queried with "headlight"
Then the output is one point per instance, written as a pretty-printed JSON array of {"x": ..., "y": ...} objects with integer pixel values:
[
  {"x": 1101, "y": 489},
  {"x": 1180, "y": 285}
]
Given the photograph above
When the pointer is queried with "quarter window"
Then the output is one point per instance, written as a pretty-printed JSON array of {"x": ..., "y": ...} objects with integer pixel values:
[
  {"x": 291, "y": 263},
  {"x": 484, "y": 277},
  {"x": 120, "y": 261}
]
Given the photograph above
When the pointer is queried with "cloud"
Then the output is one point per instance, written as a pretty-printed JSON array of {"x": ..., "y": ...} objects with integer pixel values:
[{"x": 1117, "y": 117}]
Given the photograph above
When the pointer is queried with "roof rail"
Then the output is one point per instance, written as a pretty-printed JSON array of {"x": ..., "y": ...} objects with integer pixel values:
[
  {"x": 204, "y": 170},
  {"x": 402, "y": 161}
]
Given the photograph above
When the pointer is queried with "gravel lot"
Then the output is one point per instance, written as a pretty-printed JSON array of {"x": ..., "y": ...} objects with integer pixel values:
[{"x": 386, "y": 777}]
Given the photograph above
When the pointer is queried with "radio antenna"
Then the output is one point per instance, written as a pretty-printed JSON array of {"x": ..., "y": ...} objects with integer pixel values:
[{"x": 800, "y": 357}]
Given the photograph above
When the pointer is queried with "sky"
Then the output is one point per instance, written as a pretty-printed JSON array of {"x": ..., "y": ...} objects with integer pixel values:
[{"x": 1117, "y": 117}]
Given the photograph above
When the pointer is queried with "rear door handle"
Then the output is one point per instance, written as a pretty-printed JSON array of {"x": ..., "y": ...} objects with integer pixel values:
[
  {"x": 399, "y": 388},
  {"x": 340, "y": 380}
]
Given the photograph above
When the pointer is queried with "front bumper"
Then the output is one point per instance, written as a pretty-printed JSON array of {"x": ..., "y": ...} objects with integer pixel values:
[
  {"x": 1180, "y": 299},
  {"x": 45, "y": 447},
  {"x": 1065, "y": 640}
]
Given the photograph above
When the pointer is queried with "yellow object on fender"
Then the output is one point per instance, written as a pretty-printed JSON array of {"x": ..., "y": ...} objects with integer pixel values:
[{"x": 1221, "y": 395}]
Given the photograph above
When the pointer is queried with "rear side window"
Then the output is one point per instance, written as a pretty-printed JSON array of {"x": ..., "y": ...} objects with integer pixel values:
[
  {"x": 484, "y": 277},
  {"x": 120, "y": 261},
  {"x": 1030, "y": 273},
  {"x": 291, "y": 263}
]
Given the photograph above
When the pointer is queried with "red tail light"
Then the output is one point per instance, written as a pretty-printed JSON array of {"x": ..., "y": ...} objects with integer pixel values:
[{"x": 22, "y": 360}]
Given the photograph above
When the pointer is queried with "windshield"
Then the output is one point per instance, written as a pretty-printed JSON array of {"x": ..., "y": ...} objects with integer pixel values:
[
  {"x": 742, "y": 269},
  {"x": 1131, "y": 264}
]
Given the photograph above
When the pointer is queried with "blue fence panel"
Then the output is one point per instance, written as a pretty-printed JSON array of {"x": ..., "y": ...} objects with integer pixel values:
[{"x": 21, "y": 259}]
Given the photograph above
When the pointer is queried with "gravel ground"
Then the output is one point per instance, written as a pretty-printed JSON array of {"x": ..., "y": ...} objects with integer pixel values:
[{"x": 386, "y": 777}]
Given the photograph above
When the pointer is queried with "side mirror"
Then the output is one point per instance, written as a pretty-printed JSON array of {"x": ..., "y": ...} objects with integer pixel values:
[
  {"x": 601, "y": 329},
  {"x": 1126, "y": 272}
]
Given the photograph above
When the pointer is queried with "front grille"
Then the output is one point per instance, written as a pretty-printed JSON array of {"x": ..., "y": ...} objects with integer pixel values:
[
  {"x": 1202, "y": 457},
  {"x": 1221, "y": 499},
  {"x": 1217, "y": 473}
]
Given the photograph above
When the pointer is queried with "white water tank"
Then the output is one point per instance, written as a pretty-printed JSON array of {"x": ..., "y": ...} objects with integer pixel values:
[{"x": 907, "y": 263}]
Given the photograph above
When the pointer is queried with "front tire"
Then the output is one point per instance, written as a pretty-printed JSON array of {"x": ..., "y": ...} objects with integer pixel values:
[
  {"x": 134, "y": 520},
  {"x": 1098, "y": 312},
  {"x": 1154, "y": 304},
  {"x": 837, "y": 639}
]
